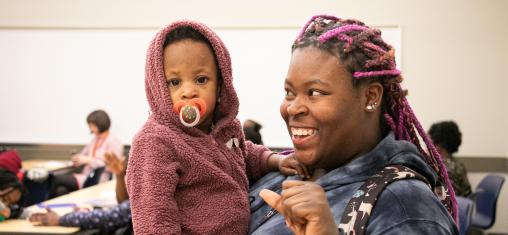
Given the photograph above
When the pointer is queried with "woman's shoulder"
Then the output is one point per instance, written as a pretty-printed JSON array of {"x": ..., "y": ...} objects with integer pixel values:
[{"x": 410, "y": 206}]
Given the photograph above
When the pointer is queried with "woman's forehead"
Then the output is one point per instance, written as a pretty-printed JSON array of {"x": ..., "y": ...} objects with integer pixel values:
[{"x": 314, "y": 65}]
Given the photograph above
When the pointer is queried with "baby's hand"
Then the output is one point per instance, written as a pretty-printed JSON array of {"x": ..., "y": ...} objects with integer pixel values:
[{"x": 288, "y": 165}]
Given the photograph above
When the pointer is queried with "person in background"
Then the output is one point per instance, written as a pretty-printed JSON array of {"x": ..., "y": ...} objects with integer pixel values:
[
  {"x": 11, "y": 161},
  {"x": 91, "y": 157},
  {"x": 251, "y": 131},
  {"x": 11, "y": 195},
  {"x": 108, "y": 220},
  {"x": 447, "y": 138}
]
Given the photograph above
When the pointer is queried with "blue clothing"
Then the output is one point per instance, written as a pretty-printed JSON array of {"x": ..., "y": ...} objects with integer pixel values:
[
  {"x": 404, "y": 207},
  {"x": 105, "y": 220}
]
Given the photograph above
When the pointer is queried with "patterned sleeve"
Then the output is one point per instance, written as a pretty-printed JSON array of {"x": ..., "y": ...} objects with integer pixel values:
[{"x": 104, "y": 220}]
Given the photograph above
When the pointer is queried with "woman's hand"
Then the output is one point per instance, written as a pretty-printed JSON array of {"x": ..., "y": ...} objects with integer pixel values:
[
  {"x": 288, "y": 165},
  {"x": 304, "y": 206},
  {"x": 114, "y": 164},
  {"x": 78, "y": 160},
  {"x": 50, "y": 218}
]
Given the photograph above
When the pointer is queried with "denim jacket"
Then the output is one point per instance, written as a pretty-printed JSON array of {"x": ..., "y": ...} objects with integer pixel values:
[{"x": 404, "y": 207}]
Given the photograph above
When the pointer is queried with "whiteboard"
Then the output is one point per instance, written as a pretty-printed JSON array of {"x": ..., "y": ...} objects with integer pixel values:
[{"x": 51, "y": 79}]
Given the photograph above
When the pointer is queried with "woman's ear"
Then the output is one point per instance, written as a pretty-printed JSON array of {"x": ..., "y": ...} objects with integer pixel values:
[{"x": 373, "y": 95}]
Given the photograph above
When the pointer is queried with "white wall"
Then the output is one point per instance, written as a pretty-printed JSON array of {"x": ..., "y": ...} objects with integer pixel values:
[
  {"x": 453, "y": 51},
  {"x": 64, "y": 74}
]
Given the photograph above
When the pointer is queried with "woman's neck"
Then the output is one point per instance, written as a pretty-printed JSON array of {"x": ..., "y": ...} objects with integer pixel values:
[
  {"x": 103, "y": 135},
  {"x": 316, "y": 174}
]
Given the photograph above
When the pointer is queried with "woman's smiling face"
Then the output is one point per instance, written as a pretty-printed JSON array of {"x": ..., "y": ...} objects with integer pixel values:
[{"x": 323, "y": 112}]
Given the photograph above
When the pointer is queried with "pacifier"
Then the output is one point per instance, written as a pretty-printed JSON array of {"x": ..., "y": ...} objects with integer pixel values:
[{"x": 190, "y": 111}]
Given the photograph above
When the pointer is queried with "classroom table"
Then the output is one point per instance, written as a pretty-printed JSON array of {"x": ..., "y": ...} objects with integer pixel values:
[
  {"x": 99, "y": 195},
  {"x": 50, "y": 165}
]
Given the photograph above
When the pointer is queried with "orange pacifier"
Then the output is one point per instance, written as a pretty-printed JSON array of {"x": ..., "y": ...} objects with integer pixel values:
[{"x": 190, "y": 111}]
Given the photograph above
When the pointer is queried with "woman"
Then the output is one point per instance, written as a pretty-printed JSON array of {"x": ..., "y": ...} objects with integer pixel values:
[
  {"x": 348, "y": 119},
  {"x": 91, "y": 157}
]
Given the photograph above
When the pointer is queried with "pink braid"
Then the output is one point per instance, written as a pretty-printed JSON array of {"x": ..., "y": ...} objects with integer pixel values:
[
  {"x": 374, "y": 47},
  {"x": 390, "y": 122},
  {"x": 393, "y": 72},
  {"x": 343, "y": 29},
  {"x": 442, "y": 168},
  {"x": 302, "y": 31}
]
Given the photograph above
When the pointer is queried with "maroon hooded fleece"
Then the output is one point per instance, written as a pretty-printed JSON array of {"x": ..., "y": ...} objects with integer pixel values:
[{"x": 181, "y": 180}]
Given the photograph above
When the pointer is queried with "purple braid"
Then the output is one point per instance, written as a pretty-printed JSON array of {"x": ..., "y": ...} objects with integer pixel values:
[
  {"x": 393, "y": 72},
  {"x": 437, "y": 157},
  {"x": 340, "y": 30},
  {"x": 327, "y": 17},
  {"x": 389, "y": 121},
  {"x": 369, "y": 59}
]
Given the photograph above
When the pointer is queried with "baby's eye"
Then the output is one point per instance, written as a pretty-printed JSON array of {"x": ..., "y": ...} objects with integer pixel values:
[
  {"x": 201, "y": 80},
  {"x": 173, "y": 82}
]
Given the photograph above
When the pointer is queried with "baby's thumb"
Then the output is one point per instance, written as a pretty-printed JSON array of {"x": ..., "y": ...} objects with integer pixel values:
[{"x": 272, "y": 199}]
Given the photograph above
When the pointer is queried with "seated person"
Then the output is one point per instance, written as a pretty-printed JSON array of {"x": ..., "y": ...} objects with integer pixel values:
[
  {"x": 447, "y": 139},
  {"x": 10, "y": 160},
  {"x": 105, "y": 220},
  {"x": 251, "y": 131},
  {"x": 91, "y": 157},
  {"x": 11, "y": 195}
]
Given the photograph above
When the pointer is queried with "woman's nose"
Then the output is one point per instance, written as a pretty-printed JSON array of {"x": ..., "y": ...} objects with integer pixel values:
[{"x": 297, "y": 107}]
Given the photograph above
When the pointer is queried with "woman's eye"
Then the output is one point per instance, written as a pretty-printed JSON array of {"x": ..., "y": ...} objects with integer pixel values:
[
  {"x": 201, "y": 80},
  {"x": 289, "y": 93},
  {"x": 314, "y": 93},
  {"x": 173, "y": 82}
]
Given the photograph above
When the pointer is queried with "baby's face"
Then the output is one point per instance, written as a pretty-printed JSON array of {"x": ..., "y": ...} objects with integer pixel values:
[{"x": 191, "y": 72}]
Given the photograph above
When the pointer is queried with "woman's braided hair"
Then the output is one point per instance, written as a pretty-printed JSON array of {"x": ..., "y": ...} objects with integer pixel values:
[{"x": 369, "y": 59}]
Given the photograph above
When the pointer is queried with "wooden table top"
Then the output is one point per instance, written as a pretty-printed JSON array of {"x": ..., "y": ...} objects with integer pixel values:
[
  {"x": 103, "y": 194},
  {"x": 51, "y": 165}
]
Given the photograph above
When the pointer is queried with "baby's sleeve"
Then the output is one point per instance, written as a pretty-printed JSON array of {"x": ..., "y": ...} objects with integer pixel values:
[
  {"x": 256, "y": 160},
  {"x": 152, "y": 177}
]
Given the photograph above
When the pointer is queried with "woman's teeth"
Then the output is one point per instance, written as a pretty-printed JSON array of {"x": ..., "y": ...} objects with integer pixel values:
[{"x": 302, "y": 132}]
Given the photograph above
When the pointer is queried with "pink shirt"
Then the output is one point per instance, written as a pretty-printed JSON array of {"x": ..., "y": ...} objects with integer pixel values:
[{"x": 110, "y": 144}]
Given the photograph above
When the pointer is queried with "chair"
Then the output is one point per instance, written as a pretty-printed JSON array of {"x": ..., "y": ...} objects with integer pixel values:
[
  {"x": 94, "y": 177},
  {"x": 485, "y": 197},
  {"x": 465, "y": 214},
  {"x": 37, "y": 191}
]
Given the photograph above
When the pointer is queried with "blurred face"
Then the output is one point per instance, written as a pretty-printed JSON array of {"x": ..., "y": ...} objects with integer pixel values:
[
  {"x": 191, "y": 72},
  {"x": 93, "y": 129},
  {"x": 322, "y": 110},
  {"x": 11, "y": 197}
]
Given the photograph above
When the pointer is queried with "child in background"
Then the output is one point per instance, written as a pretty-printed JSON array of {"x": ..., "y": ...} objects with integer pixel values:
[
  {"x": 189, "y": 166},
  {"x": 107, "y": 221},
  {"x": 11, "y": 195}
]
